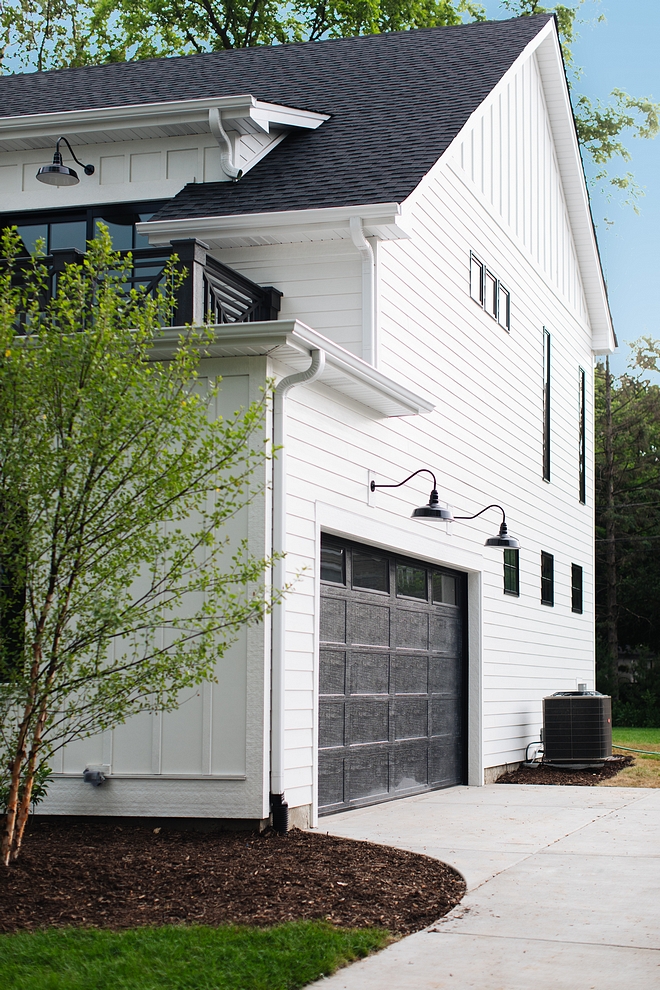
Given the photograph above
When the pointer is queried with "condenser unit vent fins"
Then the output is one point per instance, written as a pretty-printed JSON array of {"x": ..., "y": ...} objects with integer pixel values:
[{"x": 577, "y": 727}]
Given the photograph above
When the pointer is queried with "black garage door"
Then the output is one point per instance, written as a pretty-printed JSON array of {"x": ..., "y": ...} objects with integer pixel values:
[{"x": 392, "y": 676}]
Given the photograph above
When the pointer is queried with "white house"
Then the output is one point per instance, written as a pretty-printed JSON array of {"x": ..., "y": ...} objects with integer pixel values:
[{"x": 418, "y": 201}]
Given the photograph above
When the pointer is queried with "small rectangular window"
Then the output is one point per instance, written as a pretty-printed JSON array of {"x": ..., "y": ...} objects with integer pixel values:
[
  {"x": 546, "y": 405},
  {"x": 444, "y": 589},
  {"x": 411, "y": 582},
  {"x": 576, "y": 588},
  {"x": 504, "y": 308},
  {"x": 512, "y": 572},
  {"x": 582, "y": 442},
  {"x": 333, "y": 565},
  {"x": 547, "y": 579},
  {"x": 476, "y": 279},
  {"x": 490, "y": 304},
  {"x": 370, "y": 572}
]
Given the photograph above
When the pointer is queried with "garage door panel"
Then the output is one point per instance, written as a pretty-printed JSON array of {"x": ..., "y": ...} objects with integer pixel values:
[
  {"x": 412, "y": 629},
  {"x": 445, "y": 719},
  {"x": 367, "y": 773},
  {"x": 332, "y": 674},
  {"x": 367, "y": 720},
  {"x": 445, "y": 761},
  {"x": 446, "y": 633},
  {"x": 369, "y": 625},
  {"x": 368, "y": 673},
  {"x": 445, "y": 675},
  {"x": 331, "y": 722},
  {"x": 409, "y": 766},
  {"x": 411, "y": 718},
  {"x": 333, "y": 620},
  {"x": 410, "y": 674},
  {"x": 391, "y": 706},
  {"x": 331, "y": 780}
]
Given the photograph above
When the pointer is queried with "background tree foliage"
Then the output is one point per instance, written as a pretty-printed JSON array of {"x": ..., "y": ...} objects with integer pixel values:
[
  {"x": 117, "y": 488},
  {"x": 628, "y": 537}
]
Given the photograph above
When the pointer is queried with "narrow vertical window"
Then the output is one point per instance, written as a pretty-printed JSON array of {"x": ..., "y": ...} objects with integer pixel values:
[
  {"x": 476, "y": 279},
  {"x": 546, "y": 405},
  {"x": 582, "y": 443},
  {"x": 490, "y": 303},
  {"x": 547, "y": 579},
  {"x": 576, "y": 588},
  {"x": 504, "y": 308},
  {"x": 511, "y": 572}
]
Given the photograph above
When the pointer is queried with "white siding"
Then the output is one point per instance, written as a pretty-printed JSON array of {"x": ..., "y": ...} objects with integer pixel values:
[
  {"x": 218, "y": 731},
  {"x": 321, "y": 282}
]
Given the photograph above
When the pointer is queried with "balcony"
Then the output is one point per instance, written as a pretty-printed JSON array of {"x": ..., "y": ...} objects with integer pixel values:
[{"x": 210, "y": 291}]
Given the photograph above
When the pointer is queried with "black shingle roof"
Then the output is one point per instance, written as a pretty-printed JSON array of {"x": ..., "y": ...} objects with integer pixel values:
[{"x": 396, "y": 102}]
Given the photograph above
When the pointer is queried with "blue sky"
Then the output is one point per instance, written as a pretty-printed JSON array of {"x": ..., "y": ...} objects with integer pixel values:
[{"x": 624, "y": 52}]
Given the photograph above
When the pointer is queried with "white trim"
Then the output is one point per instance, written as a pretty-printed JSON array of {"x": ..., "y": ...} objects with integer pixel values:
[
  {"x": 242, "y": 112},
  {"x": 292, "y": 343}
]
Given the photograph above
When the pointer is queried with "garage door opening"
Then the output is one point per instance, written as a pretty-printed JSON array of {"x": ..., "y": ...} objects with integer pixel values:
[{"x": 392, "y": 693}]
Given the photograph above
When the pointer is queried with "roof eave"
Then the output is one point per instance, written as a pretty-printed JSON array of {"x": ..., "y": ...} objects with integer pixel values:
[{"x": 291, "y": 342}]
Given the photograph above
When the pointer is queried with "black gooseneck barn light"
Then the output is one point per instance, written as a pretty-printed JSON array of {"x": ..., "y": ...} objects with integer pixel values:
[
  {"x": 58, "y": 174},
  {"x": 434, "y": 511},
  {"x": 431, "y": 511}
]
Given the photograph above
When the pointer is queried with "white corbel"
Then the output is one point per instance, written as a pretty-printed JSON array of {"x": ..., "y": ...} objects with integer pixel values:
[{"x": 224, "y": 143}]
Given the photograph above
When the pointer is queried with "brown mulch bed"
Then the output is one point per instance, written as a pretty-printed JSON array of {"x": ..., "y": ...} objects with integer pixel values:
[
  {"x": 553, "y": 775},
  {"x": 98, "y": 875}
]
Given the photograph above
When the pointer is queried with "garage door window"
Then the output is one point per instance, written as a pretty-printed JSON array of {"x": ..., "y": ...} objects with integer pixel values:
[
  {"x": 333, "y": 565},
  {"x": 411, "y": 582},
  {"x": 444, "y": 589},
  {"x": 371, "y": 573}
]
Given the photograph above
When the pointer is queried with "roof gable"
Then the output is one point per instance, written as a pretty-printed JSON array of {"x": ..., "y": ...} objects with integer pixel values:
[{"x": 395, "y": 102}]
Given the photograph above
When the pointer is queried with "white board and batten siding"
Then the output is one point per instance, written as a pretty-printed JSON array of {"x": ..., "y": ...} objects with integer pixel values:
[{"x": 209, "y": 757}]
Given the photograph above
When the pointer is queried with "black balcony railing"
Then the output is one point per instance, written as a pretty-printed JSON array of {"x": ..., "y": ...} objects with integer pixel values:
[{"x": 210, "y": 291}]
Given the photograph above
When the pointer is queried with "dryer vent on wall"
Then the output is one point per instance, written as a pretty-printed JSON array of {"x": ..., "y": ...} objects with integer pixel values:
[{"x": 577, "y": 725}]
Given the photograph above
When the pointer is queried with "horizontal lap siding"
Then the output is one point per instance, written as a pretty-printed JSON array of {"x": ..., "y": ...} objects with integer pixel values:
[
  {"x": 321, "y": 282},
  {"x": 499, "y": 195}
]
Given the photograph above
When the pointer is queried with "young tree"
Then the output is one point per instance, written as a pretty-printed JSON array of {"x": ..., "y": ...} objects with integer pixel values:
[{"x": 118, "y": 489}]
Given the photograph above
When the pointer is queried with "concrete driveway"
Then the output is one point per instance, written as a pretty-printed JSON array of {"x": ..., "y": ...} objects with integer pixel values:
[{"x": 563, "y": 889}]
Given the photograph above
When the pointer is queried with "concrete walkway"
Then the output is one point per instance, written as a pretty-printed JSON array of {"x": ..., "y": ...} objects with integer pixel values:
[{"x": 563, "y": 889}]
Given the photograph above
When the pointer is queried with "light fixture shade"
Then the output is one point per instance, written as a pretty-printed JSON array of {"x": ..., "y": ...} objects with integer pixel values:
[
  {"x": 503, "y": 540},
  {"x": 58, "y": 175},
  {"x": 433, "y": 510}
]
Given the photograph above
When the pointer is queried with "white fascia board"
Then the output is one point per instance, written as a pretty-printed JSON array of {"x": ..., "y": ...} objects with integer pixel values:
[
  {"x": 382, "y": 220},
  {"x": 291, "y": 343},
  {"x": 551, "y": 67},
  {"x": 120, "y": 120}
]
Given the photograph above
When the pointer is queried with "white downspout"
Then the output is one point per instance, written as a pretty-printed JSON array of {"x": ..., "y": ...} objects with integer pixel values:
[
  {"x": 221, "y": 136},
  {"x": 368, "y": 291},
  {"x": 278, "y": 657}
]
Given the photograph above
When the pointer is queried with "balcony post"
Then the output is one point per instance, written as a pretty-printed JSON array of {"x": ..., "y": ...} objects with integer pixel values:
[{"x": 190, "y": 300}]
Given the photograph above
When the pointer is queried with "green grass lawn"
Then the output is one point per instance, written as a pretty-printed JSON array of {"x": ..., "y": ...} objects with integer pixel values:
[
  {"x": 637, "y": 738},
  {"x": 181, "y": 958}
]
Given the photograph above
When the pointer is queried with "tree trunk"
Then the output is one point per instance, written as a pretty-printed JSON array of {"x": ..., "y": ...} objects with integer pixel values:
[{"x": 611, "y": 620}]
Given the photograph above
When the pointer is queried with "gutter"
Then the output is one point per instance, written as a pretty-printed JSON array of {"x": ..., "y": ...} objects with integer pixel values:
[{"x": 278, "y": 647}]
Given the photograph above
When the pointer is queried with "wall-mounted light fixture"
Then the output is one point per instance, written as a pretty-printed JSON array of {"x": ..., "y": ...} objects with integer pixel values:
[
  {"x": 58, "y": 174},
  {"x": 434, "y": 511}
]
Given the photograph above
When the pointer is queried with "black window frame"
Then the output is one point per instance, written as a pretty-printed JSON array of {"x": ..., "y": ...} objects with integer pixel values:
[
  {"x": 511, "y": 572},
  {"x": 501, "y": 311},
  {"x": 547, "y": 354},
  {"x": 89, "y": 214},
  {"x": 547, "y": 579},
  {"x": 582, "y": 436},
  {"x": 577, "y": 589}
]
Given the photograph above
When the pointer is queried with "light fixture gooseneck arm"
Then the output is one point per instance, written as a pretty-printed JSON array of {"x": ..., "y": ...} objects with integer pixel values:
[
  {"x": 57, "y": 157},
  {"x": 486, "y": 510},
  {"x": 374, "y": 486}
]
